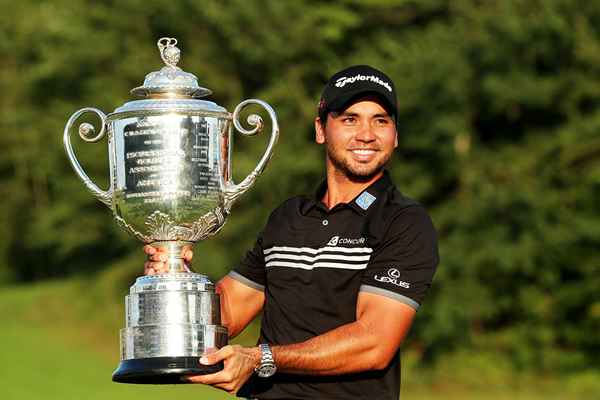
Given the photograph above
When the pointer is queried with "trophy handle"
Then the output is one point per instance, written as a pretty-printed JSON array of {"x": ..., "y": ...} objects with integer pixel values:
[
  {"x": 233, "y": 191},
  {"x": 85, "y": 132}
]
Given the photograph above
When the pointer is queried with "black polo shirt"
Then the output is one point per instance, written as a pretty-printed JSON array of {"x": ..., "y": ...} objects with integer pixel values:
[{"x": 312, "y": 263}]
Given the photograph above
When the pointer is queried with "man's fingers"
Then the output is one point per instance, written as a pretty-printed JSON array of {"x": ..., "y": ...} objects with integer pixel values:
[
  {"x": 156, "y": 267},
  {"x": 156, "y": 263},
  {"x": 160, "y": 257},
  {"x": 228, "y": 387},
  {"x": 218, "y": 378},
  {"x": 149, "y": 268},
  {"x": 149, "y": 249},
  {"x": 232, "y": 376},
  {"x": 219, "y": 355}
]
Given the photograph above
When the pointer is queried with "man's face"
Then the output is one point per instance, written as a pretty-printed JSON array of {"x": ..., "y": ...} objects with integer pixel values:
[{"x": 360, "y": 140}]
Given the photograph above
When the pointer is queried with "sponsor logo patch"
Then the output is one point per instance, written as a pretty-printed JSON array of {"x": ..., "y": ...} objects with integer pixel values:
[
  {"x": 393, "y": 277},
  {"x": 335, "y": 240},
  {"x": 365, "y": 200}
]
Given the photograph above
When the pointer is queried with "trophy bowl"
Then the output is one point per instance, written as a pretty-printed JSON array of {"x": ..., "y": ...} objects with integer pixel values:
[{"x": 170, "y": 186}]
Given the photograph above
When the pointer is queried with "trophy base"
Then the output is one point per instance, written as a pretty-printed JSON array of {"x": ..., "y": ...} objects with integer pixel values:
[{"x": 161, "y": 370}]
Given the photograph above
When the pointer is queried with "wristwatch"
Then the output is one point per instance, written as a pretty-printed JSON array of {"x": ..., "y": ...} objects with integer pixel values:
[{"x": 266, "y": 368}]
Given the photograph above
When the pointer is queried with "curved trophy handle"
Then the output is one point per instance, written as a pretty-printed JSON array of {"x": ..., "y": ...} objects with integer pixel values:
[
  {"x": 86, "y": 132},
  {"x": 233, "y": 191}
]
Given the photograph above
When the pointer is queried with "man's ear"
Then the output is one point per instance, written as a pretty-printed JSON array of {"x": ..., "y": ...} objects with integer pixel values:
[{"x": 319, "y": 131}]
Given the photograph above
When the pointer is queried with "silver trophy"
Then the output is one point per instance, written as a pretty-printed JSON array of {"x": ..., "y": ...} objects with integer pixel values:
[{"x": 170, "y": 186}]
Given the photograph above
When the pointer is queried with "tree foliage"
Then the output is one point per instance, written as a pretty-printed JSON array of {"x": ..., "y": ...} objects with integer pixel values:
[{"x": 499, "y": 120}]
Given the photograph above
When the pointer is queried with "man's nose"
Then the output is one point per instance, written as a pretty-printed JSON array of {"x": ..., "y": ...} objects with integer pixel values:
[{"x": 365, "y": 134}]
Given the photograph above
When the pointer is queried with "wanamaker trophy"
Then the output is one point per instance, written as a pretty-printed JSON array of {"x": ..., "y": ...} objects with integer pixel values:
[{"x": 170, "y": 186}]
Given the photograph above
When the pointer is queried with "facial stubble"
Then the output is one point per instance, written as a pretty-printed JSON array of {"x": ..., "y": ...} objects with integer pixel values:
[{"x": 354, "y": 174}]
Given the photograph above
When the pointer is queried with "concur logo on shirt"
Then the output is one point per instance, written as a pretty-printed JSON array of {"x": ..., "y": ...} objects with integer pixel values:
[{"x": 335, "y": 240}]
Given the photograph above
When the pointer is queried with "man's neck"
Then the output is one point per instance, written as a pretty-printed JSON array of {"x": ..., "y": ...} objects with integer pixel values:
[{"x": 342, "y": 189}]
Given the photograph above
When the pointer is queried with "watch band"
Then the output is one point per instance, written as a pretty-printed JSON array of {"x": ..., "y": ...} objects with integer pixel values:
[
  {"x": 266, "y": 353},
  {"x": 266, "y": 368}
]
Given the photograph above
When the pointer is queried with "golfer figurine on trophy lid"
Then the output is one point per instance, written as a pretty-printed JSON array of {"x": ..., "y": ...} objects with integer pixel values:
[{"x": 170, "y": 186}]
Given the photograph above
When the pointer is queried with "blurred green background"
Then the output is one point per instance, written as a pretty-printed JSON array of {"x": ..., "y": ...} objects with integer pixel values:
[{"x": 499, "y": 131}]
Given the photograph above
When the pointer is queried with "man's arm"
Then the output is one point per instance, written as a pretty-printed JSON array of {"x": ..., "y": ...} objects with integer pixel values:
[
  {"x": 368, "y": 343},
  {"x": 240, "y": 304}
]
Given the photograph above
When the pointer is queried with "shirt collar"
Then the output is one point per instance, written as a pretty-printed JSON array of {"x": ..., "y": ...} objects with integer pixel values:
[{"x": 361, "y": 203}]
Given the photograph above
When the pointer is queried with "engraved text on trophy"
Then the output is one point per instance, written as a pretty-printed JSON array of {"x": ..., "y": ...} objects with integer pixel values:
[{"x": 169, "y": 158}]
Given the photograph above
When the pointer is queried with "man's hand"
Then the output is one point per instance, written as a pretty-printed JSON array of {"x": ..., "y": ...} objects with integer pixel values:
[
  {"x": 239, "y": 365},
  {"x": 157, "y": 260}
]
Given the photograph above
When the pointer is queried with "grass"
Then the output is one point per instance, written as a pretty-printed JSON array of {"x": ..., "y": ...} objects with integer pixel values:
[
  {"x": 35, "y": 366},
  {"x": 48, "y": 354},
  {"x": 60, "y": 341}
]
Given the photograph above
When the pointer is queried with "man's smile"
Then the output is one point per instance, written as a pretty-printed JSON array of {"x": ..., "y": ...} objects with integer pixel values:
[{"x": 363, "y": 154}]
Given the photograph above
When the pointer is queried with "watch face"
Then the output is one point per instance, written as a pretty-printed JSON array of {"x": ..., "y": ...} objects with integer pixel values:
[{"x": 267, "y": 370}]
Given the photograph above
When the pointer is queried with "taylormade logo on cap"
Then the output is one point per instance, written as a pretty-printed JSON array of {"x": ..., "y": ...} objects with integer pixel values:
[{"x": 341, "y": 82}]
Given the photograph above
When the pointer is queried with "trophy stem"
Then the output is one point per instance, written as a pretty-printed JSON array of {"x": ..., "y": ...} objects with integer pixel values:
[{"x": 175, "y": 250}]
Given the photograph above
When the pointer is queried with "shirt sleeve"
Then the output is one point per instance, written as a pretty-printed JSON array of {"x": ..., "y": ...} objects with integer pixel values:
[
  {"x": 251, "y": 270},
  {"x": 403, "y": 265}
]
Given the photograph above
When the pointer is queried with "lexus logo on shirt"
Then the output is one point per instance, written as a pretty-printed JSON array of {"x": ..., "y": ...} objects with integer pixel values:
[
  {"x": 394, "y": 273},
  {"x": 392, "y": 277}
]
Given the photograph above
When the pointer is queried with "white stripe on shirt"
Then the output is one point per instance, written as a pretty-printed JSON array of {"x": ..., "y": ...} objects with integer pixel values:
[
  {"x": 316, "y": 265},
  {"x": 317, "y": 257},
  {"x": 319, "y": 250}
]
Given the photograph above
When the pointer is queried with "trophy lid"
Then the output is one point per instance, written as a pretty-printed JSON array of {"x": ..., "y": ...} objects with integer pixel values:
[{"x": 171, "y": 81}]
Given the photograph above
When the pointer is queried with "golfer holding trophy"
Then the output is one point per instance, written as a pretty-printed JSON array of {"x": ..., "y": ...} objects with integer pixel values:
[{"x": 170, "y": 187}]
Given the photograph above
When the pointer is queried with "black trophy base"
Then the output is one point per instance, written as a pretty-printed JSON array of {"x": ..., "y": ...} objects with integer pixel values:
[{"x": 161, "y": 370}]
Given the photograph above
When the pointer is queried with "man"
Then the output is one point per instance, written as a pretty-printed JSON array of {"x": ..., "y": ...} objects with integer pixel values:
[{"x": 338, "y": 276}]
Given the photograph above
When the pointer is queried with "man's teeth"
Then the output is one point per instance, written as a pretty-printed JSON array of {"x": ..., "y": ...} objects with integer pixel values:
[{"x": 363, "y": 151}]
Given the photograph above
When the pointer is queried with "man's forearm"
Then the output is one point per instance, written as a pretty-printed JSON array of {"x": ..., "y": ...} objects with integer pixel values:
[
  {"x": 347, "y": 349},
  {"x": 369, "y": 343},
  {"x": 239, "y": 304}
]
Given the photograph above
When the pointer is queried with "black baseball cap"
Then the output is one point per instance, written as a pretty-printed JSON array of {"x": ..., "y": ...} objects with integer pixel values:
[{"x": 354, "y": 82}]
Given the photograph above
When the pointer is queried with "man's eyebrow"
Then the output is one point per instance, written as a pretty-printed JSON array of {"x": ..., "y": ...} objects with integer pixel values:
[{"x": 384, "y": 115}]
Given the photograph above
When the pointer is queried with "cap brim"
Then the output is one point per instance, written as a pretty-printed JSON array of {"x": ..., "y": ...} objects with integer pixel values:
[{"x": 347, "y": 99}]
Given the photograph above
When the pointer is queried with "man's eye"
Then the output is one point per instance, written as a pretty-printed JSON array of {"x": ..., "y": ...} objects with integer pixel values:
[{"x": 349, "y": 120}]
